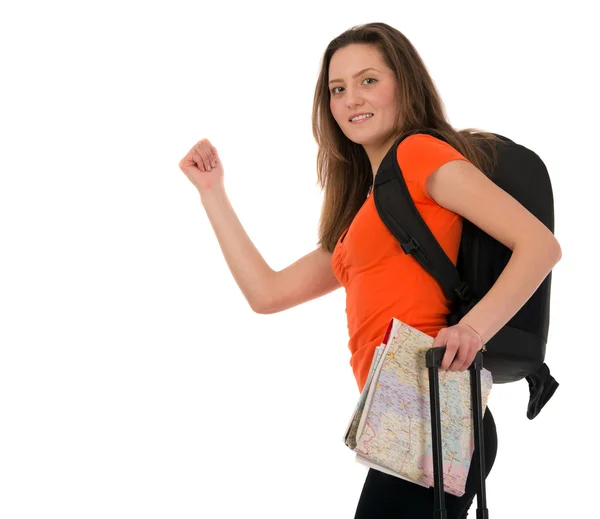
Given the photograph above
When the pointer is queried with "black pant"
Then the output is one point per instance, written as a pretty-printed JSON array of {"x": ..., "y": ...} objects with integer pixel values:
[{"x": 389, "y": 497}]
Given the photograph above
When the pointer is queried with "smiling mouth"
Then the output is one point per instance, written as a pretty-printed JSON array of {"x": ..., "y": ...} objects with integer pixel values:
[{"x": 362, "y": 119}]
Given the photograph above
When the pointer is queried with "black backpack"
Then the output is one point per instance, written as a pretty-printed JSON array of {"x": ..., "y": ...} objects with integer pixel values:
[{"x": 518, "y": 350}]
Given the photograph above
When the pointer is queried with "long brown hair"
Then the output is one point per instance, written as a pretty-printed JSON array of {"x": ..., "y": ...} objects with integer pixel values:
[{"x": 343, "y": 168}]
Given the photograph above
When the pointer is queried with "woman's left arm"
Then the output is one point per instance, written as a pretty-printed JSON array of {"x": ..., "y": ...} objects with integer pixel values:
[{"x": 462, "y": 188}]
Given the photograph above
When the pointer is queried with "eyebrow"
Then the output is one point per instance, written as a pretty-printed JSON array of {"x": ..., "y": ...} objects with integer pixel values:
[{"x": 354, "y": 76}]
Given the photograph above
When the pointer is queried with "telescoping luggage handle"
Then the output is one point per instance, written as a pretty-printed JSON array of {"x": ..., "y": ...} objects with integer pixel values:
[{"x": 433, "y": 360}]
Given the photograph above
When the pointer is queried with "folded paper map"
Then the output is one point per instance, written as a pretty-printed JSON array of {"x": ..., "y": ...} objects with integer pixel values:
[{"x": 390, "y": 429}]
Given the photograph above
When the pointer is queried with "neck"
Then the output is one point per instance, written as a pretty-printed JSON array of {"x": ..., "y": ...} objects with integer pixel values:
[{"x": 377, "y": 153}]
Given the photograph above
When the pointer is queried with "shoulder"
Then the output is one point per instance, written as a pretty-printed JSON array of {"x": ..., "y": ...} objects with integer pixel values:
[
  {"x": 416, "y": 145},
  {"x": 419, "y": 156}
]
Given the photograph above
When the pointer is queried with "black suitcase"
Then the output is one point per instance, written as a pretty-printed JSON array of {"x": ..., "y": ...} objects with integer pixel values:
[{"x": 433, "y": 360}]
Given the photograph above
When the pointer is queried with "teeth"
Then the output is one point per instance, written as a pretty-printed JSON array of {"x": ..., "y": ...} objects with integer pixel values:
[{"x": 366, "y": 116}]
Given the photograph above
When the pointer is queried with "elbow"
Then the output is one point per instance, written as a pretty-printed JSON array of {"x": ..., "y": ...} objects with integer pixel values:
[
  {"x": 259, "y": 310},
  {"x": 547, "y": 250},
  {"x": 259, "y": 306},
  {"x": 547, "y": 246},
  {"x": 558, "y": 256},
  {"x": 557, "y": 251},
  {"x": 552, "y": 252},
  {"x": 262, "y": 300},
  {"x": 263, "y": 310}
]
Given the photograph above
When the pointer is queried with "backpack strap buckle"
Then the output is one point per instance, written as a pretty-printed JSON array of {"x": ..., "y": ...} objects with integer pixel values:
[
  {"x": 410, "y": 246},
  {"x": 463, "y": 292}
]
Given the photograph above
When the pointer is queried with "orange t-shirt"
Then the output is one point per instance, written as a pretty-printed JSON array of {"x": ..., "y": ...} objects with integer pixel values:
[{"x": 380, "y": 280}]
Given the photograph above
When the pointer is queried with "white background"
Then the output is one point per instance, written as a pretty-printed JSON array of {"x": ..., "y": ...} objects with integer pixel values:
[{"x": 135, "y": 381}]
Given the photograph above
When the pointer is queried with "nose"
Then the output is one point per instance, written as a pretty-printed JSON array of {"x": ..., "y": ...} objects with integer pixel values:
[{"x": 352, "y": 98}]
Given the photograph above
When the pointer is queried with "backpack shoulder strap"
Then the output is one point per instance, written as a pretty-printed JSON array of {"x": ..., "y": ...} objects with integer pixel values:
[{"x": 400, "y": 215}]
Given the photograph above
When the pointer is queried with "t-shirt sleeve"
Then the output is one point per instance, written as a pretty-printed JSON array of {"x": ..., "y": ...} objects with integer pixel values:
[{"x": 418, "y": 157}]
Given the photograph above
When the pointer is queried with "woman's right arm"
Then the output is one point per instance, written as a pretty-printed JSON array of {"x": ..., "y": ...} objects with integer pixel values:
[{"x": 266, "y": 290}]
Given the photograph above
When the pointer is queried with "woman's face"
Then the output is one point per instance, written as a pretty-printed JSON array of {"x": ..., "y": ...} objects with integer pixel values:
[{"x": 372, "y": 91}]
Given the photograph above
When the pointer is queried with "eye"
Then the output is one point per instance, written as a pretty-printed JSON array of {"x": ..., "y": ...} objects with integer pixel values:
[{"x": 333, "y": 90}]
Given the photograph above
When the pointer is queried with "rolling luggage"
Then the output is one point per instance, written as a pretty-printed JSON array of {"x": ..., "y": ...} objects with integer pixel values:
[{"x": 433, "y": 359}]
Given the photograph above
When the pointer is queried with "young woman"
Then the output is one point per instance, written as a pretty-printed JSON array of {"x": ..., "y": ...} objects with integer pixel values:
[{"x": 372, "y": 88}]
